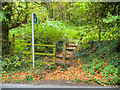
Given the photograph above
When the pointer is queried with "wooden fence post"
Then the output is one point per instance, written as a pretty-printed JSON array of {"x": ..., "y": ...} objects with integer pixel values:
[
  {"x": 64, "y": 53},
  {"x": 54, "y": 52},
  {"x": 31, "y": 54}
]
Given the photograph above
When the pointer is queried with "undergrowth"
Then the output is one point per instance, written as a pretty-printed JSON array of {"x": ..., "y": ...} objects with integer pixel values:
[{"x": 103, "y": 60}]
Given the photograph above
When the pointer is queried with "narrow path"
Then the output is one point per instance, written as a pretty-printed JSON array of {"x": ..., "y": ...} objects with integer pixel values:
[
  {"x": 73, "y": 72},
  {"x": 71, "y": 47}
]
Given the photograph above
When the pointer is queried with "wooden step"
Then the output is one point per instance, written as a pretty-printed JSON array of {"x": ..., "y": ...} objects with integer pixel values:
[
  {"x": 62, "y": 57},
  {"x": 60, "y": 64},
  {"x": 66, "y": 57},
  {"x": 70, "y": 49},
  {"x": 73, "y": 45},
  {"x": 69, "y": 53}
]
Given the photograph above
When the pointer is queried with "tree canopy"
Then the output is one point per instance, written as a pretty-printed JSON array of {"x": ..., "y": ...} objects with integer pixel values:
[{"x": 76, "y": 13}]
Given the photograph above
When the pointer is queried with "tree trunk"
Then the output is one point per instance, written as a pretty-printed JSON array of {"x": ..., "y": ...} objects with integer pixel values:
[
  {"x": 5, "y": 40},
  {"x": 51, "y": 12},
  {"x": 5, "y": 29},
  {"x": 99, "y": 27}
]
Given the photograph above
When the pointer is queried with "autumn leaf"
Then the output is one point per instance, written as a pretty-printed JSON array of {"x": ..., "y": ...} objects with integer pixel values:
[
  {"x": 91, "y": 51},
  {"x": 96, "y": 71},
  {"x": 79, "y": 66},
  {"x": 105, "y": 64},
  {"x": 67, "y": 78},
  {"x": 78, "y": 60},
  {"x": 100, "y": 76}
]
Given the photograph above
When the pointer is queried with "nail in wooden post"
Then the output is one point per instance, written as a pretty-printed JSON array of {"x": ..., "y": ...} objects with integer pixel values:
[
  {"x": 54, "y": 52},
  {"x": 64, "y": 53}
]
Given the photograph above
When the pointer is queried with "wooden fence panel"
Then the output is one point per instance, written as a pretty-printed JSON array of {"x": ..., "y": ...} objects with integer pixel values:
[{"x": 30, "y": 52}]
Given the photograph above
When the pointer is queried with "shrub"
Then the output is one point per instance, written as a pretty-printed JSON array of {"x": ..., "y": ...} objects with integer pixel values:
[
  {"x": 14, "y": 62},
  {"x": 103, "y": 60},
  {"x": 108, "y": 72},
  {"x": 28, "y": 78},
  {"x": 45, "y": 33}
]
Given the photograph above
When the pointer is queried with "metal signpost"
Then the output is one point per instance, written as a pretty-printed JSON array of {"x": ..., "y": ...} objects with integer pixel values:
[{"x": 34, "y": 21}]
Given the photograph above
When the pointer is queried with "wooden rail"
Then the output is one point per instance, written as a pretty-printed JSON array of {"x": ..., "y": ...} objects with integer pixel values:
[
  {"x": 49, "y": 54},
  {"x": 42, "y": 62},
  {"x": 34, "y": 44},
  {"x": 30, "y": 52}
]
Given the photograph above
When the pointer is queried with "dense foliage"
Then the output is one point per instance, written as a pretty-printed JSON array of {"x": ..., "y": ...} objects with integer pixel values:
[
  {"x": 94, "y": 25},
  {"x": 45, "y": 33}
]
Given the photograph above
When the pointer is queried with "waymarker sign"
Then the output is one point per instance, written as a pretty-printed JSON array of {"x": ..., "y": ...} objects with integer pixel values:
[{"x": 34, "y": 21}]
